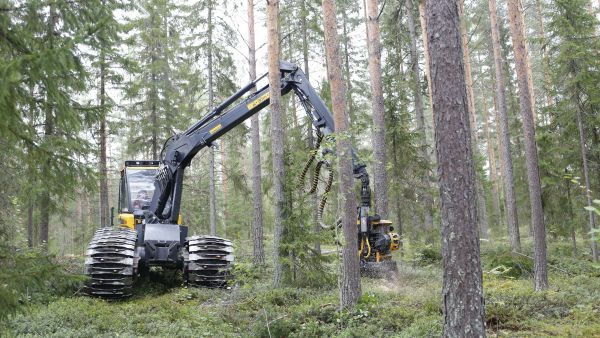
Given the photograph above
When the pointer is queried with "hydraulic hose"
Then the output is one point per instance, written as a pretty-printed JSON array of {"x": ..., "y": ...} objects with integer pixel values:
[{"x": 310, "y": 160}]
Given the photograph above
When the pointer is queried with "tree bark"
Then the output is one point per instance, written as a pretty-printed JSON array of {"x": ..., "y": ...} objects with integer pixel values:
[
  {"x": 30, "y": 225},
  {"x": 153, "y": 96},
  {"x": 276, "y": 133},
  {"x": 515, "y": 10},
  {"x": 586, "y": 172},
  {"x": 379, "y": 148},
  {"x": 347, "y": 75},
  {"x": 425, "y": 38},
  {"x": 463, "y": 304},
  {"x": 506, "y": 163},
  {"x": 546, "y": 67},
  {"x": 257, "y": 225},
  {"x": 570, "y": 219},
  {"x": 310, "y": 139},
  {"x": 45, "y": 198},
  {"x": 481, "y": 204},
  {"x": 420, "y": 119},
  {"x": 224, "y": 186},
  {"x": 491, "y": 159},
  {"x": 350, "y": 285},
  {"x": 212, "y": 195}
]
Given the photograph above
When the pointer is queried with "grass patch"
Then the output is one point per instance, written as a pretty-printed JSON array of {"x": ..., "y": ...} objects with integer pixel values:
[{"x": 409, "y": 306}]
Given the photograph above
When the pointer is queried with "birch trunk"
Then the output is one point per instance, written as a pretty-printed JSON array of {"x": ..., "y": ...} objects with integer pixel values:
[
  {"x": 586, "y": 171},
  {"x": 425, "y": 39}
]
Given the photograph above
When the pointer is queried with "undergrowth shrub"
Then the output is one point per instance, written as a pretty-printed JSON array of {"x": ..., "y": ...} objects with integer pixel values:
[
  {"x": 427, "y": 255},
  {"x": 510, "y": 266},
  {"x": 30, "y": 276}
]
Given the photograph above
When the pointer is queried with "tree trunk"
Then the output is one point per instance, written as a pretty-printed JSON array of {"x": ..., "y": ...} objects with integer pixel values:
[
  {"x": 154, "y": 94},
  {"x": 212, "y": 195},
  {"x": 481, "y": 204},
  {"x": 104, "y": 208},
  {"x": 545, "y": 63},
  {"x": 398, "y": 175},
  {"x": 30, "y": 225},
  {"x": 276, "y": 134},
  {"x": 311, "y": 139},
  {"x": 350, "y": 284},
  {"x": 464, "y": 310},
  {"x": 506, "y": 163},
  {"x": 491, "y": 159},
  {"x": 45, "y": 199},
  {"x": 515, "y": 10},
  {"x": 571, "y": 219},
  {"x": 420, "y": 119},
  {"x": 257, "y": 225},
  {"x": 347, "y": 75},
  {"x": 379, "y": 150},
  {"x": 586, "y": 172},
  {"x": 223, "y": 176},
  {"x": 425, "y": 37}
]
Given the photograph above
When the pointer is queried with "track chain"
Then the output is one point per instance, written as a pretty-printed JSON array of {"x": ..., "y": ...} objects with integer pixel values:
[
  {"x": 208, "y": 261},
  {"x": 111, "y": 263}
]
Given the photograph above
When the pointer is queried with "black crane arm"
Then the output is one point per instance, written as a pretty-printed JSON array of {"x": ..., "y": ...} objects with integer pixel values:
[{"x": 180, "y": 149}]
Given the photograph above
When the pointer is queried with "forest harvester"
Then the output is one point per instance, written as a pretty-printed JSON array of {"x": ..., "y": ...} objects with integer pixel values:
[{"x": 151, "y": 232}]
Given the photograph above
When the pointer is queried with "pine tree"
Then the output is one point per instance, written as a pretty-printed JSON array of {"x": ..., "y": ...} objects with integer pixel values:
[
  {"x": 277, "y": 135},
  {"x": 350, "y": 284},
  {"x": 420, "y": 119},
  {"x": 463, "y": 306},
  {"x": 257, "y": 224},
  {"x": 515, "y": 10},
  {"x": 380, "y": 163},
  {"x": 504, "y": 134}
]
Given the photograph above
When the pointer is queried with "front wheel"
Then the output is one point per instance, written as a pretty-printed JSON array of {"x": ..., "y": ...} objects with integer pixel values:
[{"x": 208, "y": 261}]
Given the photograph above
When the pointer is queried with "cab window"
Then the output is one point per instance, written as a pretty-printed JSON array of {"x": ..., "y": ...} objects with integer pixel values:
[{"x": 141, "y": 186}]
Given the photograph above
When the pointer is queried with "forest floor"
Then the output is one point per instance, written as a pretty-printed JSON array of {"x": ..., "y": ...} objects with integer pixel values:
[{"x": 406, "y": 307}]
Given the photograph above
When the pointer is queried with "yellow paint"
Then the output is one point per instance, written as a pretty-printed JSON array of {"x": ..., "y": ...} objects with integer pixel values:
[
  {"x": 215, "y": 129},
  {"x": 395, "y": 243},
  {"x": 179, "y": 220},
  {"x": 382, "y": 222},
  {"x": 362, "y": 246},
  {"x": 368, "y": 248},
  {"x": 127, "y": 220},
  {"x": 258, "y": 101}
]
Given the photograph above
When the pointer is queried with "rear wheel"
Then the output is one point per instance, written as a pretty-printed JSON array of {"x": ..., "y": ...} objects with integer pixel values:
[{"x": 208, "y": 261}]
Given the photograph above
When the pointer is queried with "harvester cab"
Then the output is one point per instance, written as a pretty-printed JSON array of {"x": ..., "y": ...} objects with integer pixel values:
[{"x": 135, "y": 191}]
